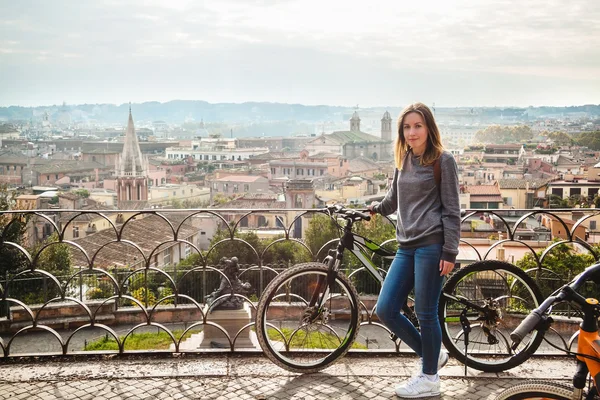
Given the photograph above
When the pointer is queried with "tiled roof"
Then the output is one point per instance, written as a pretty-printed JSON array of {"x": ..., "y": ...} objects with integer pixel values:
[
  {"x": 148, "y": 233},
  {"x": 565, "y": 160},
  {"x": 132, "y": 205},
  {"x": 276, "y": 155},
  {"x": 487, "y": 199},
  {"x": 68, "y": 166},
  {"x": 354, "y": 137},
  {"x": 323, "y": 155},
  {"x": 521, "y": 183},
  {"x": 483, "y": 190},
  {"x": 297, "y": 163},
  {"x": 101, "y": 151},
  {"x": 503, "y": 146},
  {"x": 246, "y": 202},
  {"x": 68, "y": 196},
  {"x": 240, "y": 178},
  {"x": 361, "y": 164},
  {"x": 64, "y": 217}
]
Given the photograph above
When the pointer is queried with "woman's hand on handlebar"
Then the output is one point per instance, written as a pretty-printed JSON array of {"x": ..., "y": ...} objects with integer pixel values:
[{"x": 371, "y": 207}]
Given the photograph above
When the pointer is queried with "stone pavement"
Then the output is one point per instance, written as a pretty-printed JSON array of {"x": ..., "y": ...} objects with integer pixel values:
[{"x": 249, "y": 377}]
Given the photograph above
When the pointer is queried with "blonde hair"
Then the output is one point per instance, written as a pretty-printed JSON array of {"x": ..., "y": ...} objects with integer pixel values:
[{"x": 433, "y": 148}]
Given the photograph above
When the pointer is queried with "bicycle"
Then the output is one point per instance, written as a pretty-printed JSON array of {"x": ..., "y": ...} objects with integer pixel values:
[
  {"x": 309, "y": 316},
  {"x": 588, "y": 348}
]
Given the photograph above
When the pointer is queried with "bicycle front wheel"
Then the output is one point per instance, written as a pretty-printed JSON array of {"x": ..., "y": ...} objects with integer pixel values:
[
  {"x": 495, "y": 297},
  {"x": 537, "y": 390},
  {"x": 300, "y": 338}
]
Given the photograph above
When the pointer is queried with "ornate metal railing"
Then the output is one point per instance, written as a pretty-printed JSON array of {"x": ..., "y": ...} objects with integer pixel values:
[{"x": 72, "y": 280}]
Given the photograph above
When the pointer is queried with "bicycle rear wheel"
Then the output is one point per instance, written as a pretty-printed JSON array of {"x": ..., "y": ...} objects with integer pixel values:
[
  {"x": 299, "y": 338},
  {"x": 537, "y": 390},
  {"x": 495, "y": 296}
]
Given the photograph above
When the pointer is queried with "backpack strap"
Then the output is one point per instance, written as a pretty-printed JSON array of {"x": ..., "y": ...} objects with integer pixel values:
[{"x": 437, "y": 172}]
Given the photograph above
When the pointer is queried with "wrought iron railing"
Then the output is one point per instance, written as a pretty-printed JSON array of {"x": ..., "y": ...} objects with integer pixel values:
[{"x": 73, "y": 278}]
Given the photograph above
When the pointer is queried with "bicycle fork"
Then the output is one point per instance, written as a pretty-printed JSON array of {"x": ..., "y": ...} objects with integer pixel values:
[{"x": 321, "y": 292}]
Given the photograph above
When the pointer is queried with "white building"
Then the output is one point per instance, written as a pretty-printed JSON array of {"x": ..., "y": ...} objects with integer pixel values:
[{"x": 214, "y": 149}]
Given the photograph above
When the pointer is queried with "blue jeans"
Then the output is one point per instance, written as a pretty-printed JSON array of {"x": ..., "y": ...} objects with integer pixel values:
[{"x": 416, "y": 268}]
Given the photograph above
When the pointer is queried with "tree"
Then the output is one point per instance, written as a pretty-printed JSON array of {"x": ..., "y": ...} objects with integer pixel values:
[
  {"x": 82, "y": 193},
  {"x": 589, "y": 139},
  {"x": 564, "y": 263},
  {"x": 321, "y": 229},
  {"x": 504, "y": 134},
  {"x": 561, "y": 138},
  {"x": 558, "y": 202},
  {"x": 36, "y": 288},
  {"x": 231, "y": 248},
  {"x": 12, "y": 228},
  {"x": 286, "y": 251}
]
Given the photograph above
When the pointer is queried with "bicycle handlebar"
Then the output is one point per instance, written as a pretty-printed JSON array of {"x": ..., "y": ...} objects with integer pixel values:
[
  {"x": 348, "y": 213},
  {"x": 531, "y": 322}
]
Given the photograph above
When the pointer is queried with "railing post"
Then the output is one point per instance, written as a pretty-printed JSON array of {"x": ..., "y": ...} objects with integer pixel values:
[
  {"x": 175, "y": 289},
  {"x": 121, "y": 287},
  {"x": 146, "y": 286},
  {"x": 5, "y": 309},
  {"x": 80, "y": 285},
  {"x": 45, "y": 286}
]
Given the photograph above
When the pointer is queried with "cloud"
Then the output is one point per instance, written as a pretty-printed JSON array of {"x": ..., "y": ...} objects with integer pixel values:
[{"x": 179, "y": 42}]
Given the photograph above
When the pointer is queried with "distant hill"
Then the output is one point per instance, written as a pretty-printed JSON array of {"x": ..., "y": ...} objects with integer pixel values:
[{"x": 178, "y": 111}]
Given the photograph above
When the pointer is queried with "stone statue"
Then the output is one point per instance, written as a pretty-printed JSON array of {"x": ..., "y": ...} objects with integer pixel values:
[{"x": 231, "y": 271}]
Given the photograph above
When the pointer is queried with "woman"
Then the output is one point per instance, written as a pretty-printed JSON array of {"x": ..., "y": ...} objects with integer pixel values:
[{"x": 428, "y": 233}]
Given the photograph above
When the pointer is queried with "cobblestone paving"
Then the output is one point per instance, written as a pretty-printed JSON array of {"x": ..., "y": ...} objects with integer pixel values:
[
  {"x": 299, "y": 387},
  {"x": 249, "y": 378}
]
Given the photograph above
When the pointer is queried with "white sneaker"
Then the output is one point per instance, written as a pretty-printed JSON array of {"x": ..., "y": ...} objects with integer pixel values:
[
  {"x": 419, "y": 386},
  {"x": 443, "y": 359}
]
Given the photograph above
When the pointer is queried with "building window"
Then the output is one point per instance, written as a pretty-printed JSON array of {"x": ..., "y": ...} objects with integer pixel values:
[
  {"x": 226, "y": 187},
  {"x": 246, "y": 187},
  {"x": 167, "y": 257},
  {"x": 75, "y": 232},
  {"x": 187, "y": 250},
  {"x": 235, "y": 188},
  {"x": 592, "y": 225},
  {"x": 174, "y": 193},
  {"x": 47, "y": 177},
  {"x": 272, "y": 171}
]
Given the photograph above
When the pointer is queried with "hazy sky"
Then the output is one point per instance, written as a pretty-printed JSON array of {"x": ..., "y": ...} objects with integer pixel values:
[{"x": 336, "y": 52}]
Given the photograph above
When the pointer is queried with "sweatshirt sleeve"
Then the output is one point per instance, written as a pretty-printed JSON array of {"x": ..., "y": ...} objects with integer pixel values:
[
  {"x": 450, "y": 199},
  {"x": 390, "y": 202}
]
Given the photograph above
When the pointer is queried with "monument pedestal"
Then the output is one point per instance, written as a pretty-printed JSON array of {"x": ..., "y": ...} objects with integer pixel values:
[{"x": 231, "y": 321}]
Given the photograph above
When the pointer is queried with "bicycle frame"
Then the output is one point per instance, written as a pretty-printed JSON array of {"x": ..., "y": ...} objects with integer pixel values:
[
  {"x": 356, "y": 244},
  {"x": 588, "y": 348}
]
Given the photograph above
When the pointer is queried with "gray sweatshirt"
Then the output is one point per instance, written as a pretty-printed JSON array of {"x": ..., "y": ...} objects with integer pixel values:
[{"x": 426, "y": 214}]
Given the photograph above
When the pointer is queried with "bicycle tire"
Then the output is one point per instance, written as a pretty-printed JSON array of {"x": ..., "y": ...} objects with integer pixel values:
[
  {"x": 537, "y": 390},
  {"x": 278, "y": 349},
  {"x": 519, "y": 295}
]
